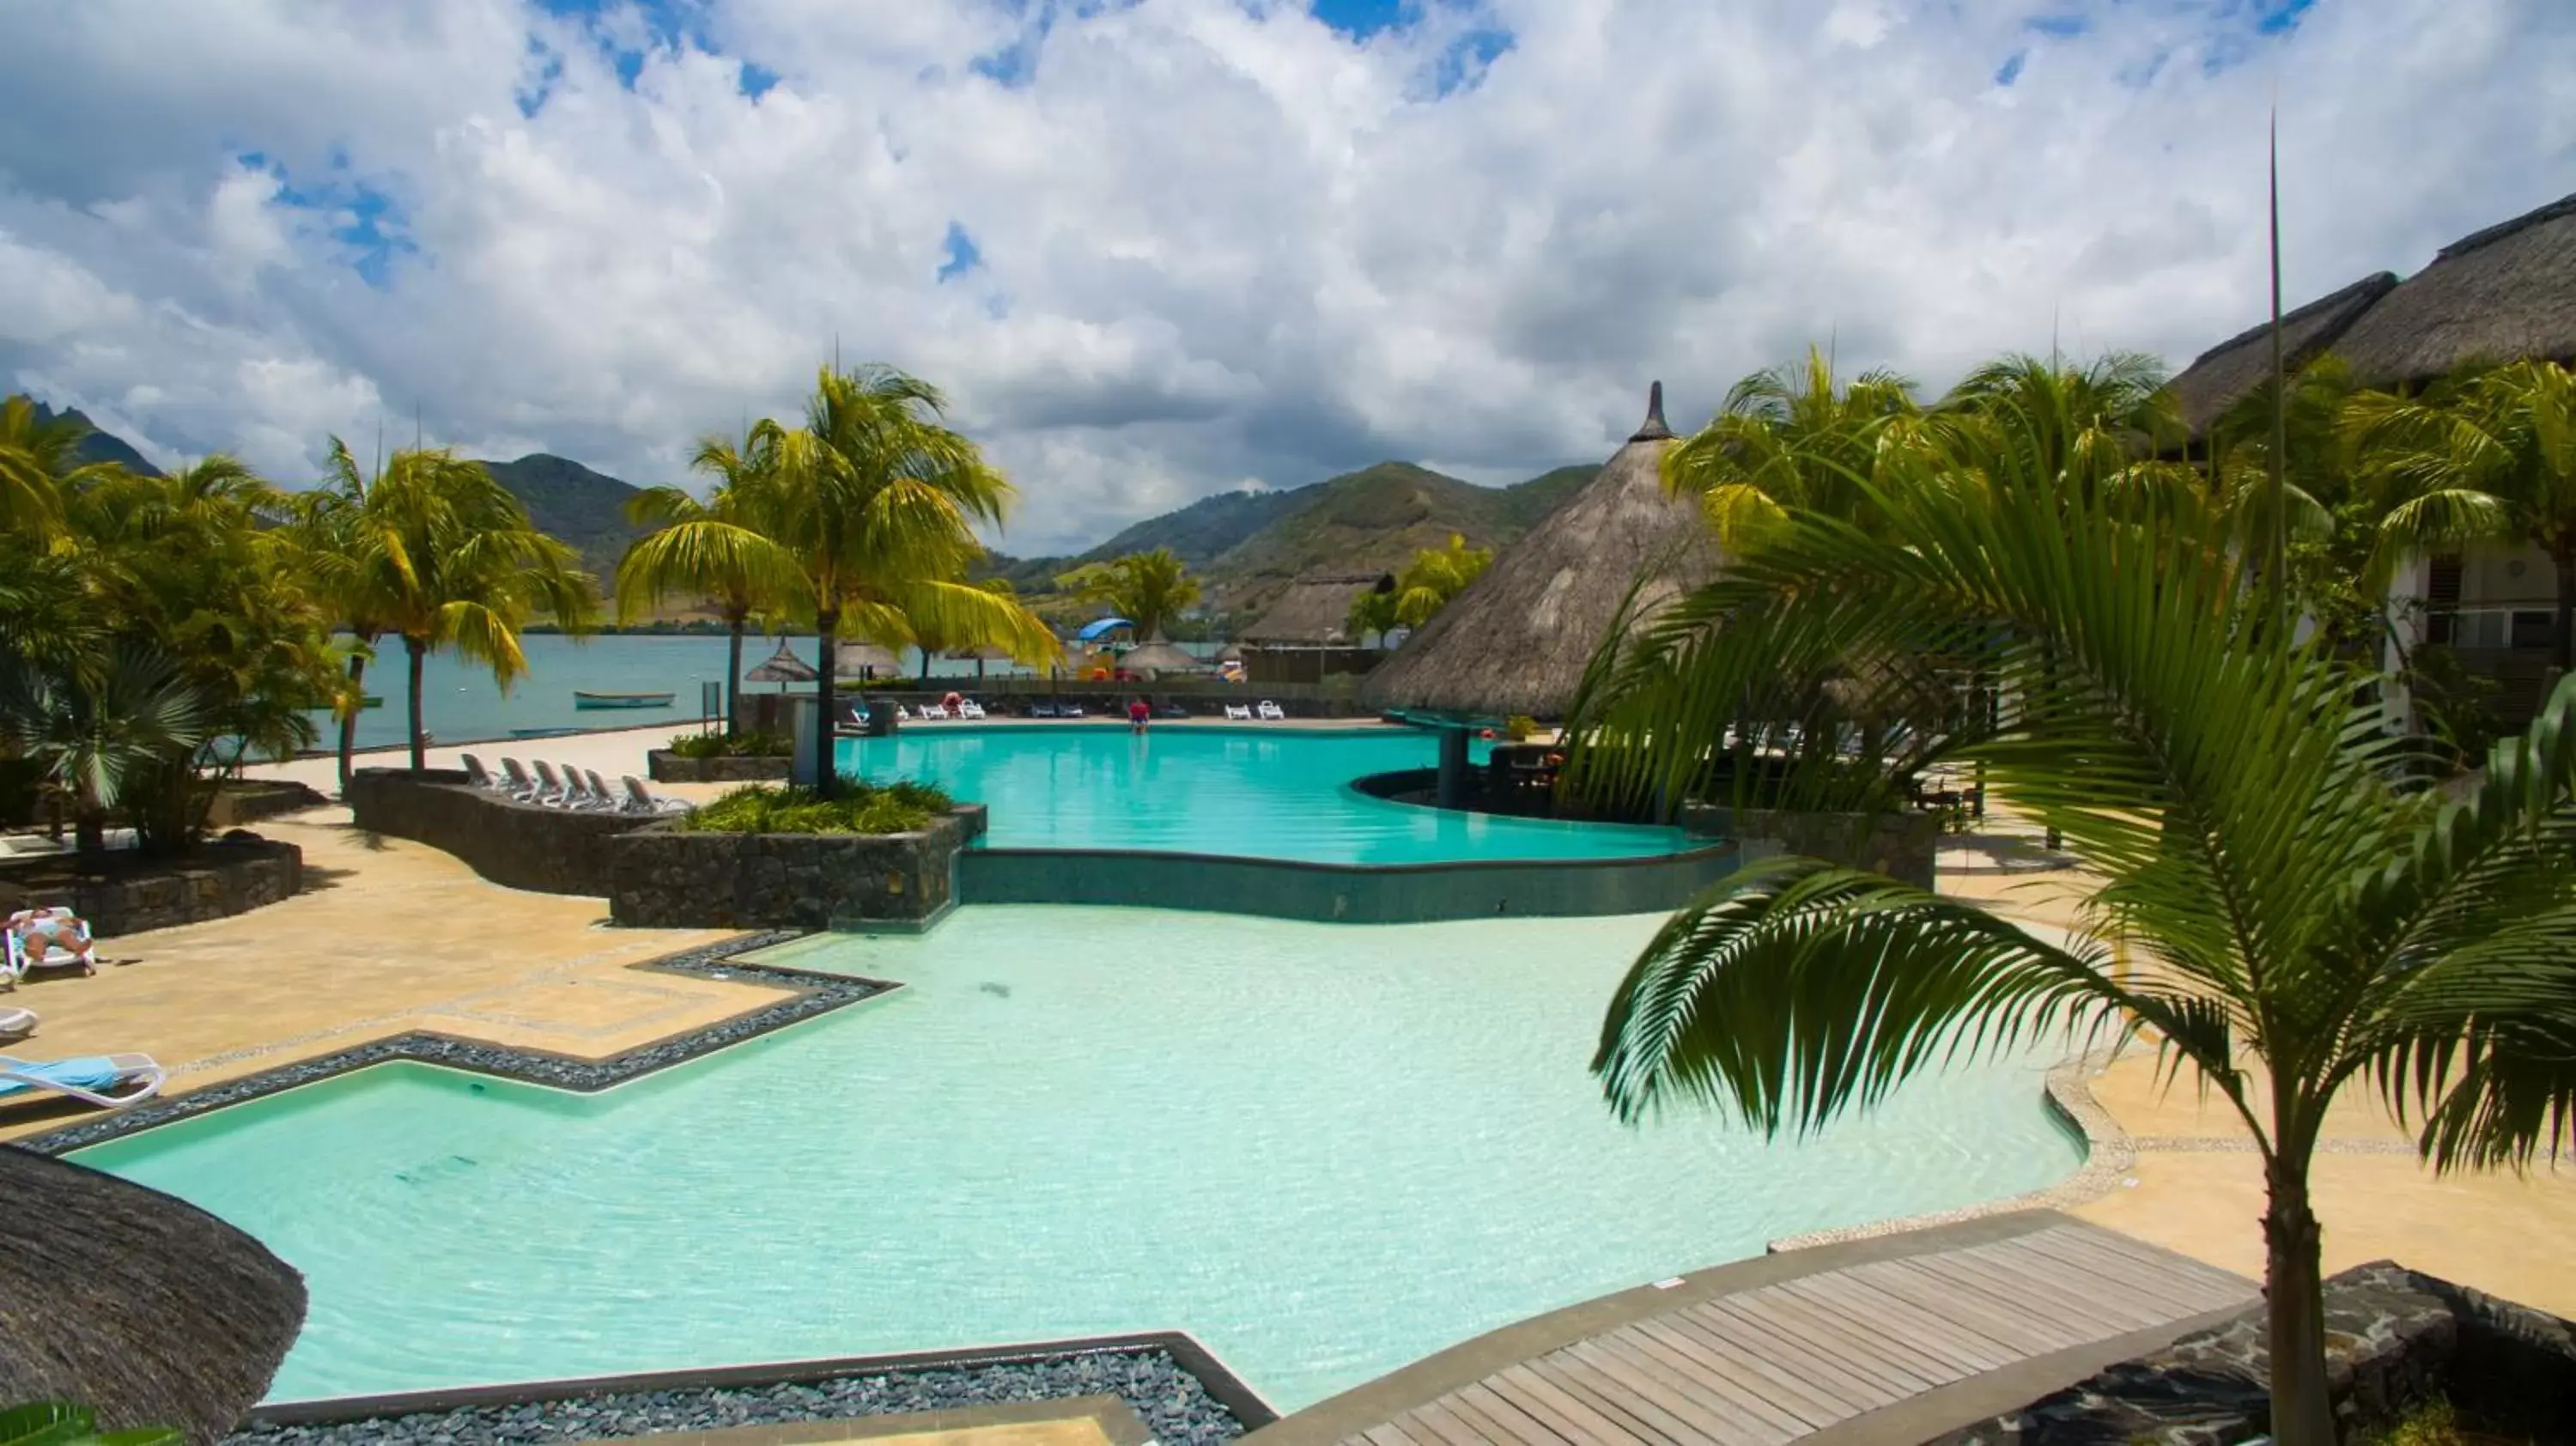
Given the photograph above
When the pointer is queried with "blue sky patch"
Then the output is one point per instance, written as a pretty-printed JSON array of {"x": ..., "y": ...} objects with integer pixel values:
[
  {"x": 755, "y": 79},
  {"x": 2010, "y": 70},
  {"x": 1360, "y": 19},
  {"x": 365, "y": 219},
  {"x": 1463, "y": 65},
  {"x": 2058, "y": 27},
  {"x": 961, "y": 255}
]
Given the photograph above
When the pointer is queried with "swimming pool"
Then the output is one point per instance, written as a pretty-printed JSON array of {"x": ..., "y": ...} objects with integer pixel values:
[
  {"x": 1324, "y": 1151},
  {"x": 1278, "y": 793}
]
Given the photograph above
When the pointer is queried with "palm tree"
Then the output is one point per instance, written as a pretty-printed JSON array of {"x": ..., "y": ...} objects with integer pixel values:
[
  {"x": 870, "y": 529},
  {"x": 444, "y": 557},
  {"x": 101, "y": 736},
  {"x": 1148, "y": 589},
  {"x": 37, "y": 461},
  {"x": 1790, "y": 436},
  {"x": 2293, "y": 917},
  {"x": 708, "y": 562},
  {"x": 2488, "y": 456},
  {"x": 1428, "y": 582}
]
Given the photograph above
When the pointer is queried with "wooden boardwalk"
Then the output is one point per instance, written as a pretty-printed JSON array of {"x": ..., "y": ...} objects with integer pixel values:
[{"x": 1881, "y": 1342}]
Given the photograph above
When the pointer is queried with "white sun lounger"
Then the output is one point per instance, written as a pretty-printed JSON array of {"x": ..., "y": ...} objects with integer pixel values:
[
  {"x": 516, "y": 782},
  {"x": 20, "y": 958},
  {"x": 970, "y": 709},
  {"x": 16, "y": 1023},
  {"x": 582, "y": 795},
  {"x": 480, "y": 776},
  {"x": 94, "y": 1079},
  {"x": 1238, "y": 712},
  {"x": 552, "y": 791},
  {"x": 639, "y": 801},
  {"x": 1270, "y": 712}
]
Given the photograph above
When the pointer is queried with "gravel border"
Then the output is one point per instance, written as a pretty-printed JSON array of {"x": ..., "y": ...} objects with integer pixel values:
[
  {"x": 1173, "y": 1402},
  {"x": 814, "y": 994}
]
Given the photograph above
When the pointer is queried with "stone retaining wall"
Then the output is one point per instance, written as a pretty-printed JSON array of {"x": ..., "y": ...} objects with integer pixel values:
[
  {"x": 1902, "y": 846},
  {"x": 665, "y": 879},
  {"x": 128, "y": 895},
  {"x": 521, "y": 845},
  {"x": 2396, "y": 1338},
  {"x": 664, "y": 766},
  {"x": 247, "y": 801}
]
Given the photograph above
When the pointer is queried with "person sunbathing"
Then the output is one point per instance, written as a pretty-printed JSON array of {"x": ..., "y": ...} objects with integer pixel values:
[{"x": 38, "y": 934}]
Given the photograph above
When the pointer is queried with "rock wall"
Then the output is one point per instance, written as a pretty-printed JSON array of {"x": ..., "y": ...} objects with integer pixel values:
[
  {"x": 2396, "y": 1338},
  {"x": 521, "y": 845},
  {"x": 244, "y": 802},
  {"x": 213, "y": 881},
  {"x": 1902, "y": 846},
  {"x": 665, "y": 766},
  {"x": 666, "y": 879}
]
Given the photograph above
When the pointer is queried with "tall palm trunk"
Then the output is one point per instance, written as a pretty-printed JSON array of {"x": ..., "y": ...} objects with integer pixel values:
[
  {"x": 733, "y": 672},
  {"x": 89, "y": 826},
  {"x": 827, "y": 626},
  {"x": 419, "y": 652},
  {"x": 349, "y": 720}
]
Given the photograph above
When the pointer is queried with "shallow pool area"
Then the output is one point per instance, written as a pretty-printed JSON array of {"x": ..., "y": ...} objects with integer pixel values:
[
  {"x": 1325, "y": 1151},
  {"x": 1277, "y": 792}
]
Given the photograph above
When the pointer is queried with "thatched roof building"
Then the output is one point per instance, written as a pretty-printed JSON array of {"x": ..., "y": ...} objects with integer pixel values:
[
  {"x": 858, "y": 660},
  {"x": 140, "y": 1306},
  {"x": 2229, "y": 372},
  {"x": 2506, "y": 293},
  {"x": 1315, "y": 611},
  {"x": 1517, "y": 640},
  {"x": 1159, "y": 657}
]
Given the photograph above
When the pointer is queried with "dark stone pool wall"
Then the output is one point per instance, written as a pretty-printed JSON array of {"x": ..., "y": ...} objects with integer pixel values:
[
  {"x": 664, "y": 879},
  {"x": 1340, "y": 893},
  {"x": 2396, "y": 1339},
  {"x": 128, "y": 895},
  {"x": 664, "y": 766},
  {"x": 1902, "y": 846},
  {"x": 520, "y": 845}
]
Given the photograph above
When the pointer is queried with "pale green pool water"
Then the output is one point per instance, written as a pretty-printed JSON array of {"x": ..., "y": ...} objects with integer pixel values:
[
  {"x": 1262, "y": 792},
  {"x": 1324, "y": 1150}
]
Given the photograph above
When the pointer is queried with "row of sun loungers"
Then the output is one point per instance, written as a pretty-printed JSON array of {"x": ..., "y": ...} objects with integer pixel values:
[
  {"x": 578, "y": 789},
  {"x": 57, "y": 938},
  {"x": 1265, "y": 710}
]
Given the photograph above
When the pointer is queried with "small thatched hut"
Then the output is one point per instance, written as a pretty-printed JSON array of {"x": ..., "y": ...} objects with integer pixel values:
[
  {"x": 142, "y": 1307},
  {"x": 2229, "y": 372},
  {"x": 1156, "y": 658},
  {"x": 864, "y": 660},
  {"x": 2507, "y": 293},
  {"x": 1517, "y": 640},
  {"x": 1315, "y": 611}
]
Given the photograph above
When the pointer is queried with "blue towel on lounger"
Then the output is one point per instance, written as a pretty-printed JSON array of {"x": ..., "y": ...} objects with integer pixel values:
[{"x": 88, "y": 1072}]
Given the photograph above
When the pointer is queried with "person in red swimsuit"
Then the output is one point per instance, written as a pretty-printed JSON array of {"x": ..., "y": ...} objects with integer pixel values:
[{"x": 1137, "y": 714}]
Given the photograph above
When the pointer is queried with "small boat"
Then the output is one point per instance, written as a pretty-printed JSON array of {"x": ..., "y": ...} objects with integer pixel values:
[
  {"x": 371, "y": 700},
  {"x": 543, "y": 732},
  {"x": 620, "y": 700}
]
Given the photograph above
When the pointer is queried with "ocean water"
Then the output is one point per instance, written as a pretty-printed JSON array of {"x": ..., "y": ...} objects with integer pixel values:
[
  {"x": 1324, "y": 1150},
  {"x": 461, "y": 704}
]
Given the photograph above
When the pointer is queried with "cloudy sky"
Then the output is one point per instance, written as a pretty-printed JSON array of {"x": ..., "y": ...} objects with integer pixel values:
[{"x": 1164, "y": 248}]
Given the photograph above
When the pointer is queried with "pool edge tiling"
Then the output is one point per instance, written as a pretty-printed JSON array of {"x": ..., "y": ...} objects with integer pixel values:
[{"x": 815, "y": 994}]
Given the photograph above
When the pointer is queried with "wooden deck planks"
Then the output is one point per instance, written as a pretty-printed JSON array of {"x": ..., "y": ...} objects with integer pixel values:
[{"x": 1783, "y": 1357}]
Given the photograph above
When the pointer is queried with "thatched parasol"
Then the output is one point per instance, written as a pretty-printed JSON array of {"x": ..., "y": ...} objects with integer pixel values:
[
  {"x": 855, "y": 660},
  {"x": 988, "y": 653},
  {"x": 140, "y": 1306},
  {"x": 2229, "y": 372},
  {"x": 1159, "y": 657},
  {"x": 2507, "y": 293},
  {"x": 782, "y": 668},
  {"x": 1517, "y": 639}
]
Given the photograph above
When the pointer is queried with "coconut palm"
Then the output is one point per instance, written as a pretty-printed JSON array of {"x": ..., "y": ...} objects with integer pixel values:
[
  {"x": 708, "y": 562},
  {"x": 1148, "y": 589},
  {"x": 37, "y": 459},
  {"x": 440, "y": 555},
  {"x": 1428, "y": 582},
  {"x": 2294, "y": 921},
  {"x": 1790, "y": 436},
  {"x": 2487, "y": 456},
  {"x": 868, "y": 526},
  {"x": 103, "y": 735}
]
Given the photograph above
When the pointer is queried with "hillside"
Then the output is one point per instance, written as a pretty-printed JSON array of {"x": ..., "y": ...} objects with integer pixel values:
[
  {"x": 586, "y": 509},
  {"x": 100, "y": 446}
]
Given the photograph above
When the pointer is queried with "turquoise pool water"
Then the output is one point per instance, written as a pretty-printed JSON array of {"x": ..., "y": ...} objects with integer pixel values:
[
  {"x": 1276, "y": 793},
  {"x": 1326, "y": 1151}
]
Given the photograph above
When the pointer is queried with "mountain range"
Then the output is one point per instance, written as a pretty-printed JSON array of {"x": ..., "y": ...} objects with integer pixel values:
[{"x": 1245, "y": 547}]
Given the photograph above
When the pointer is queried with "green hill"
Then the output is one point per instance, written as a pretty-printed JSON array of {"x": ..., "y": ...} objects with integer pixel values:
[
  {"x": 100, "y": 446},
  {"x": 586, "y": 509}
]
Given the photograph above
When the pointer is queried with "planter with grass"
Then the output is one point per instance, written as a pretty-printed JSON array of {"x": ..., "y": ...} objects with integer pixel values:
[
  {"x": 714, "y": 758},
  {"x": 768, "y": 857}
]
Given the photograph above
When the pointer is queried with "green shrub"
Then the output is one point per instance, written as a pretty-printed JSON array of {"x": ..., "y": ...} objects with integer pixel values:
[
  {"x": 741, "y": 745},
  {"x": 1520, "y": 726},
  {"x": 859, "y": 808},
  {"x": 60, "y": 1423}
]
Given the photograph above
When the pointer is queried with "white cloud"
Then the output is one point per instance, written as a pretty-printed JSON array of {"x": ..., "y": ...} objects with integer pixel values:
[{"x": 1218, "y": 243}]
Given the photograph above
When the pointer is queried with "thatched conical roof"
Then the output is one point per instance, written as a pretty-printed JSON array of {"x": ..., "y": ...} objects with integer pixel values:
[
  {"x": 782, "y": 666},
  {"x": 2507, "y": 293},
  {"x": 1315, "y": 611},
  {"x": 852, "y": 660},
  {"x": 2229, "y": 372},
  {"x": 138, "y": 1305},
  {"x": 1159, "y": 657},
  {"x": 1517, "y": 639}
]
